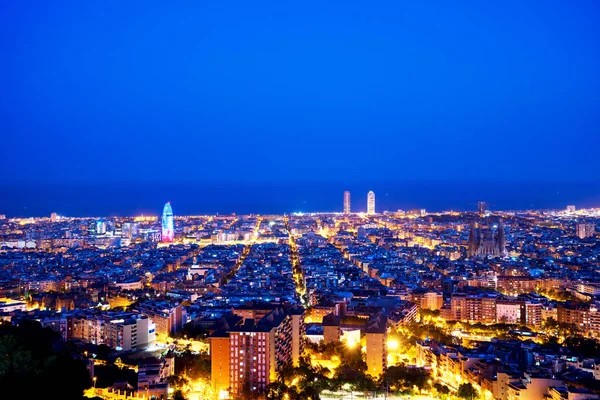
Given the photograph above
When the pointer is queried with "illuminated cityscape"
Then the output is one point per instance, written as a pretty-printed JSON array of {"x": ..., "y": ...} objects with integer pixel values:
[
  {"x": 504, "y": 304},
  {"x": 316, "y": 200}
]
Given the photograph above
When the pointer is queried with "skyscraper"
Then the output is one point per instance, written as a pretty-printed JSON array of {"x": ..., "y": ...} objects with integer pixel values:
[
  {"x": 482, "y": 207},
  {"x": 371, "y": 203},
  {"x": 167, "y": 223},
  {"x": 92, "y": 228},
  {"x": 346, "y": 202},
  {"x": 100, "y": 227}
]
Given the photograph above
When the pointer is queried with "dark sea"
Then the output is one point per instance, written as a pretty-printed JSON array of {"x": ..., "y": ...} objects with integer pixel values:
[{"x": 122, "y": 199}]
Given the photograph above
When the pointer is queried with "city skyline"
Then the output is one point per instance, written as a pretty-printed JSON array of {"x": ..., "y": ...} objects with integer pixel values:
[
  {"x": 141, "y": 198},
  {"x": 167, "y": 217},
  {"x": 338, "y": 200},
  {"x": 249, "y": 297}
]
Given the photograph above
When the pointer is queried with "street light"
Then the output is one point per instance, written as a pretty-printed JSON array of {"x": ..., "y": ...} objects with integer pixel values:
[{"x": 94, "y": 379}]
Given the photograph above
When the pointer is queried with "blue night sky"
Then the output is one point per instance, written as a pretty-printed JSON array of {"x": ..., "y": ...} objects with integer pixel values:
[{"x": 120, "y": 91}]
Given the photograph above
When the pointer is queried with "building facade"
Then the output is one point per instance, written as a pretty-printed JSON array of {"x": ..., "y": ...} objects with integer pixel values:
[
  {"x": 484, "y": 241},
  {"x": 168, "y": 232},
  {"x": 168, "y": 318},
  {"x": 585, "y": 230},
  {"x": 247, "y": 354},
  {"x": 346, "y": 202},
  {"x": 376, "y": 345},
  {"x": 126, "y": 331},
  {"x": 371, "y": 203}
]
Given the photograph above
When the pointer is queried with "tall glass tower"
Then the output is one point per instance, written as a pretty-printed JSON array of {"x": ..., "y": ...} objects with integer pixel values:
[
  {"x": 346, "y": 202},
  {"x": 167, "y": 223},
  {"x": 371, "y": 202}
]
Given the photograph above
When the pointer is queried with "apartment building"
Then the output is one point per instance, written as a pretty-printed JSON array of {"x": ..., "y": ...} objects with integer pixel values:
[{"x": 247, "y": 354}]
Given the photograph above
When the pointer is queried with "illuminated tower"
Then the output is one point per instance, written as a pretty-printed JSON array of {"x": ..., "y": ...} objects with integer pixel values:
[
  {"x": 371, "y": 203},
  {"x": 167, "y": 223},
  {"x": 346, "y": 202}
]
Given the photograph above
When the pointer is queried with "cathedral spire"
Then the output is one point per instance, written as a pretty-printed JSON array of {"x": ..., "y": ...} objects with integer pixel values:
[
  {"x": 501, "y": 238},
  {"x": 472, "y": 241}
]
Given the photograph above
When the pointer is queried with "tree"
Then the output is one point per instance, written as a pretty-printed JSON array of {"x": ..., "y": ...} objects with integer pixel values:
[
  {"x": 36, "y": 362},
  {"x": 15, "y": 358},
  {"x": 560, "y": 329},
  {"x": 583, "y": 347},
  {"x": 103, "y": 352},
  {"x": 310, "y": 381},
  {"x": 279, "y": 391},
  {"x": 195, "y": 366},
  {"x": 441, "y": 389},
  {"x": 356, "y": 378},
  {"x": 275, "y": 391},
  {"x": 426, "y": 313},
  {"x": 286, "y": 373},
  {"x": 403, "y": 378},
  {"x": 467, "y": 391},
  {"x": 177, "y": 381},
  {"x": 421, "y": 331}
]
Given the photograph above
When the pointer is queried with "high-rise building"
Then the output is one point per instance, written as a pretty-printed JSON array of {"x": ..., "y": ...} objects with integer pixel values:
[
  {"x": 482, "y": 207},
  {"x": 53, "y": 217},
  {"x": 533, "y": 313},
  {"x": 167, "y": 223},
  {"x": 92, "y": 228},
  {"x": 585, "y": 230},
  {"x": 571, "y": 208},
  {"x": 346, "y": 202},
  {"x": 130, "y": 229},
  {"x": 100, "y": 227},
  {"x": 371, "y": 203},
  {"x": 376, "y": 348},
  {"x": 247, "y": 354}
]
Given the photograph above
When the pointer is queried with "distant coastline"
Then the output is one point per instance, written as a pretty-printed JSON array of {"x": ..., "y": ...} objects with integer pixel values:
[{"x": 121, "y": 199}]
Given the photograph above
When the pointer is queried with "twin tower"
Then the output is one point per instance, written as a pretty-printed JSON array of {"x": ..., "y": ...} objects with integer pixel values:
[{"x": 370, "y": 202}]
